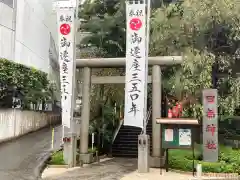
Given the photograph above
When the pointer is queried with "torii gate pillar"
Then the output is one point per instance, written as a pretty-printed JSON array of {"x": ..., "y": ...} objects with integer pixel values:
[
  {"x": 85, "y": 110},
  {"x": 156, "y": 112}
]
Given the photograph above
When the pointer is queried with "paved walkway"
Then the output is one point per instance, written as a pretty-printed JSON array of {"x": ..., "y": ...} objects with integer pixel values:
[
  {"x": 110, "y": 169},
  {"x": 19, "y": 158}
]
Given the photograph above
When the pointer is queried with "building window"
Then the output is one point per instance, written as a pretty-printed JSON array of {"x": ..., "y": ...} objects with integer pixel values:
[{"x": 7, "y": 2}]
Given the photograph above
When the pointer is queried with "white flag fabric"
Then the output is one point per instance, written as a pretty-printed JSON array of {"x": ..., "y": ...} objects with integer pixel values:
[
  {"x": 135, "y": 64},
  {"x": 66, "y": 58}
]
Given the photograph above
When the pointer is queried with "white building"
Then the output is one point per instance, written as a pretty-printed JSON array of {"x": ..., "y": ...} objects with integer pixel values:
[{"x": 28, "y": 34}]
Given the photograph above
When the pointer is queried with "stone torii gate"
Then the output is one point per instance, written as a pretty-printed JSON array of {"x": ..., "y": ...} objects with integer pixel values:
[{"x": 155, "y": 79}]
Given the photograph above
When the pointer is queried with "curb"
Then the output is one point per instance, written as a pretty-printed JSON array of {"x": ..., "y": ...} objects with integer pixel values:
[
  {"x": 57, "y": 166},
  {"x": 41, "y": 166},
  {"x": 209, "y": 175},
  {"x": 43, "y": 163}
]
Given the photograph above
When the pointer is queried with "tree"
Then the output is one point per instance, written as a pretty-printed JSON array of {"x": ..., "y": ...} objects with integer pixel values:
[
  {"x": 206, "y": 32},
  {"x": 105, "y": 21},
  {"x": 106, "y": 26}
]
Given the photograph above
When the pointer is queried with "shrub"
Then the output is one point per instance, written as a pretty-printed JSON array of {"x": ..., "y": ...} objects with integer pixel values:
[
  {"x": 57, "y": 158},
  {"x": 17, "y": 80},
  {"x": 229, "y": 161}
]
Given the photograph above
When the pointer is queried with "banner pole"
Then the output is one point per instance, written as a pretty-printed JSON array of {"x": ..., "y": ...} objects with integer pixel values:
[{"x": 148, "y": 3}]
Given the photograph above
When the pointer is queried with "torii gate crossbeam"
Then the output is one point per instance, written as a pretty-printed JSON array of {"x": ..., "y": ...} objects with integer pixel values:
[
  {"x": 120, "y": 62},
  {"x": 156, "y": 63}
]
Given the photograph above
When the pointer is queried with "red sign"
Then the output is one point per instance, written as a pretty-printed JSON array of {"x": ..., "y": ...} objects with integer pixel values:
[
  {"x": 211, "y": 145},
  {"x": 210, "y": 114},
  {"x": 210, "y": 99},
  {"x": 66, "y": 139},
  {"x": 211, "y": 128},
  {"x": 135, "y": 24},
  {"x": 65, "y": 29}
]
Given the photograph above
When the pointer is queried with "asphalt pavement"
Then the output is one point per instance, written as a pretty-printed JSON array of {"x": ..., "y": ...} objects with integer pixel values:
[{"x": 19, "y": 158}]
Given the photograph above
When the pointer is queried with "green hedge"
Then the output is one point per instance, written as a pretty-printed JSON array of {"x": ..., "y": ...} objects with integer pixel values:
[
  {"x": 27, "y": 82},
  {"x": 229, "y": 161}
]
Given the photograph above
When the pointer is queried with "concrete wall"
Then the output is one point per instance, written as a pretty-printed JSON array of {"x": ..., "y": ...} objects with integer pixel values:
[{"x": 15, "y": 123}]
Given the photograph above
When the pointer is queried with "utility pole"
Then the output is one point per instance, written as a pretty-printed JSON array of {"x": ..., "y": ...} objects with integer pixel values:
[{"x": 66, "y": 20}]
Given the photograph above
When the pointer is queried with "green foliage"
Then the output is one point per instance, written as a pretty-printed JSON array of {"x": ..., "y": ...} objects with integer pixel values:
[
  {"x": 206, "y": 33},
  {"x": 229, "y": 161},
  {"x": 57, "y": 158},
  {"x": 92, "y": 52},
  {"x": 94, "y": 150},
  {"x": 105, "y": 122},
  {"x": 29, "y": 84},
  {"x": 105, "y": 23}
]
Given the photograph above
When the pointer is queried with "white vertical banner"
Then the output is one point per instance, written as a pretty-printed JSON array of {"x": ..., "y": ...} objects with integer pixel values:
[
  {"x": 66, "y": 29},
  {"x": 135, "y": 63}
]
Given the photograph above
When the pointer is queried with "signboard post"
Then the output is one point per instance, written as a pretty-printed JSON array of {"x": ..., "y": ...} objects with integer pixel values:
[
  {"x": 177, "y": 134},
  {"x": 65, "y": 10},
  {"x": 210, "y": 125}
]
